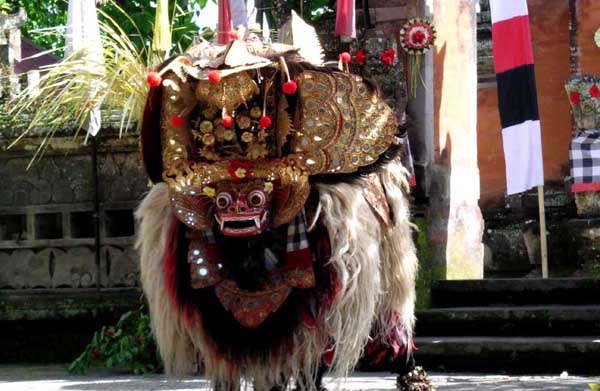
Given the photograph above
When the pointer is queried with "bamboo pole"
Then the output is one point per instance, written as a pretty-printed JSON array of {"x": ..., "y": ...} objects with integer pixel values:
[{"x": 543, "y": 243}]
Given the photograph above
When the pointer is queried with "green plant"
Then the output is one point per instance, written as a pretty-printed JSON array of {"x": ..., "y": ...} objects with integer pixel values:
[
  {"x": 129, "y": 345},
  {"x": 594, "y": 387},
  {"x": 49, "y": 14},
  {"x": 5, "y": 7}
]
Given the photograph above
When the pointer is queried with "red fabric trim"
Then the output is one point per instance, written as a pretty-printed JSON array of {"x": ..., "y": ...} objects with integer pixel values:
[
  {"x": 512, "y": 43},
  {"x": 298, "y": 259},
  {"x": 579, "y": 187},
  {"x": 412, "y": 181}
]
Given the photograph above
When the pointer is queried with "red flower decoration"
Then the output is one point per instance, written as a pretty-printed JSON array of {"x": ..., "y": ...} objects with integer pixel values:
[
  {"x": 360, "y": 57},
  {"x": 95, "y": 353},
  {"x": 214, "y": 76},
  {"x": 289, "y": 87},
  {"x": 177, "y": 121},
  {"x": 388, "y": 56},
  {"x": 345, "y": 57},
  {"x": 227, "y": 121},
  {"x": 418, "y": 37},
  {"x": 595, "y": 91},
  {"x": 109, "y": 333},
  {"x": 265, "y": 122},
  {"x": 575, "y": 98},
  {"x": 153, "y": 79},
  {"x": 239, "y": 170}
]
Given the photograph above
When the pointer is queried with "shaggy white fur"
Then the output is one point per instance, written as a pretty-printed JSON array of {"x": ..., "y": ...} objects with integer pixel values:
[{"x": 375, "y": 265}]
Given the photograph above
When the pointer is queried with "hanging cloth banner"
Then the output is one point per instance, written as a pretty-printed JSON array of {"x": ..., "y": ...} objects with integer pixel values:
[
  {"x": 517, "y": 96},
  {"x": 224, "y": 25},
  {"x": 239, "y": 13},
  {"x": 161, "y": 41},
  {"x": 83, "y": 35},
  {"x": 345, "y": 20}
]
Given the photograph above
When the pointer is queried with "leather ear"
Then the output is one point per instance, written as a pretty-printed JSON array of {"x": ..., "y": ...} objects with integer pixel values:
[{"x": 150, "y": 135}]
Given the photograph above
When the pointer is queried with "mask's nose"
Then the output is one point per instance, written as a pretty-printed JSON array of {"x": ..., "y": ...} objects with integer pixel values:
[{"x": 238, "y": 206}]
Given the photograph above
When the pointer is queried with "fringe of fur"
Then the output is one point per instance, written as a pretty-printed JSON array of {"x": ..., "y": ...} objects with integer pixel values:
[
  {"x": 375, "y": 266},
  {"x": 168, "y": 323}
]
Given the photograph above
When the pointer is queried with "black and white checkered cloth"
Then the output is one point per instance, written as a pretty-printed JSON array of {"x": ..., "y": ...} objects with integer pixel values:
[
  {"x": 584, "y": 157},
  {"x": 296, "y": 233}
]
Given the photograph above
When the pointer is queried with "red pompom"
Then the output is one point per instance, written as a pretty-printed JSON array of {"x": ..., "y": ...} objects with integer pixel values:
[
  {"x": 177, "y": 121},
  {"x": 345, "y": 57},
  {"x": 575, "y": 98},
  {"x": 153, "y": 79},
  {"x": 595, "y": 91},
  {"x": 214, "y": 76},
  {"x": 289, "y": 87},
  {"x": 227, "y": 121},
  {"x": 265, "y": 122}
]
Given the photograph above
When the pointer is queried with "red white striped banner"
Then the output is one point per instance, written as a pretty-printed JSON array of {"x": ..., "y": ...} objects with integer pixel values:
[{"x": 517, "y": 96}]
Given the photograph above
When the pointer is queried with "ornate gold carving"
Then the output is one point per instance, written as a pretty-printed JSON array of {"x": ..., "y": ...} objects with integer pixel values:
[
  {"x": 230, "y": 92},
  {"x": 342, "y": 124}
]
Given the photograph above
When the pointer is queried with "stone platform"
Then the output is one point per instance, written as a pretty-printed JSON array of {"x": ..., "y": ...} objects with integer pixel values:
[{"x": 54, "y": 378}]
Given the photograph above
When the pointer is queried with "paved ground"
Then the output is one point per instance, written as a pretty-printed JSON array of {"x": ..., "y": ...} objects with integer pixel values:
[{"x": 54, "y": 378}]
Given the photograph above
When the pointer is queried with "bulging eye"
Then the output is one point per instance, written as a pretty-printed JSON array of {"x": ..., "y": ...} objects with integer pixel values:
[
  {"x": 256, "y": 198},
  {"x": 223, "y": 200}
]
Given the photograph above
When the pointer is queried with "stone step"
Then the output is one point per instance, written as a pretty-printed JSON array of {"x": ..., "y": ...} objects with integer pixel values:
[
  {"x": 576, "y": 355},
  {"x": 543, "y": 320},
  {"x": 515, "y": 292}
]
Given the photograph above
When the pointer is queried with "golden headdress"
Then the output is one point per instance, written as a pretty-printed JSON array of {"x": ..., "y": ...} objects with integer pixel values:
[{"x": 237, "y": 113}]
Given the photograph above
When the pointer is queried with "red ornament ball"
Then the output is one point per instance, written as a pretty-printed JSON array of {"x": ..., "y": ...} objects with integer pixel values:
[
  {"x": 265, "y": 122},
  {"x": 153, "y": 79},
  {"x": 289, "y": 87},
  {"x": 345, "y": 57},
  {"x": 214, "y": 76},
  {"x": 227, "y": 121},
  {"x": 177, "y": 121}
]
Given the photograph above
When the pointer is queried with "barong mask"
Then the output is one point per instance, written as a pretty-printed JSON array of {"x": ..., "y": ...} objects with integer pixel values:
[{"x": 278, "y": 223}]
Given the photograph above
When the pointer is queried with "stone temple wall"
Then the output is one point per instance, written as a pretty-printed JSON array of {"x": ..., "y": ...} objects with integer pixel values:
[{"x": 47, "y": 215}]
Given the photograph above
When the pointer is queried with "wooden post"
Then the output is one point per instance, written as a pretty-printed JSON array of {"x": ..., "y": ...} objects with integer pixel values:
[{"x": 543, "y": 243}]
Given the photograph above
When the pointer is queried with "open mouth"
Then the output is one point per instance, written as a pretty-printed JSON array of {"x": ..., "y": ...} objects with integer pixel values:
[{"x": 242, "y": 224}]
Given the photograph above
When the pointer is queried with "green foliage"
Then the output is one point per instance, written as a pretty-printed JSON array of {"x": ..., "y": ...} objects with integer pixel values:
[
  {"x": 594, "y": 387},
  {"x": 5, "y": 7},
  {"x": 137, "y": 20},
  {"x": 139, "y": 24},
  {"x": 42, "y": 14},
  {"x": 129, "y": 345}
]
